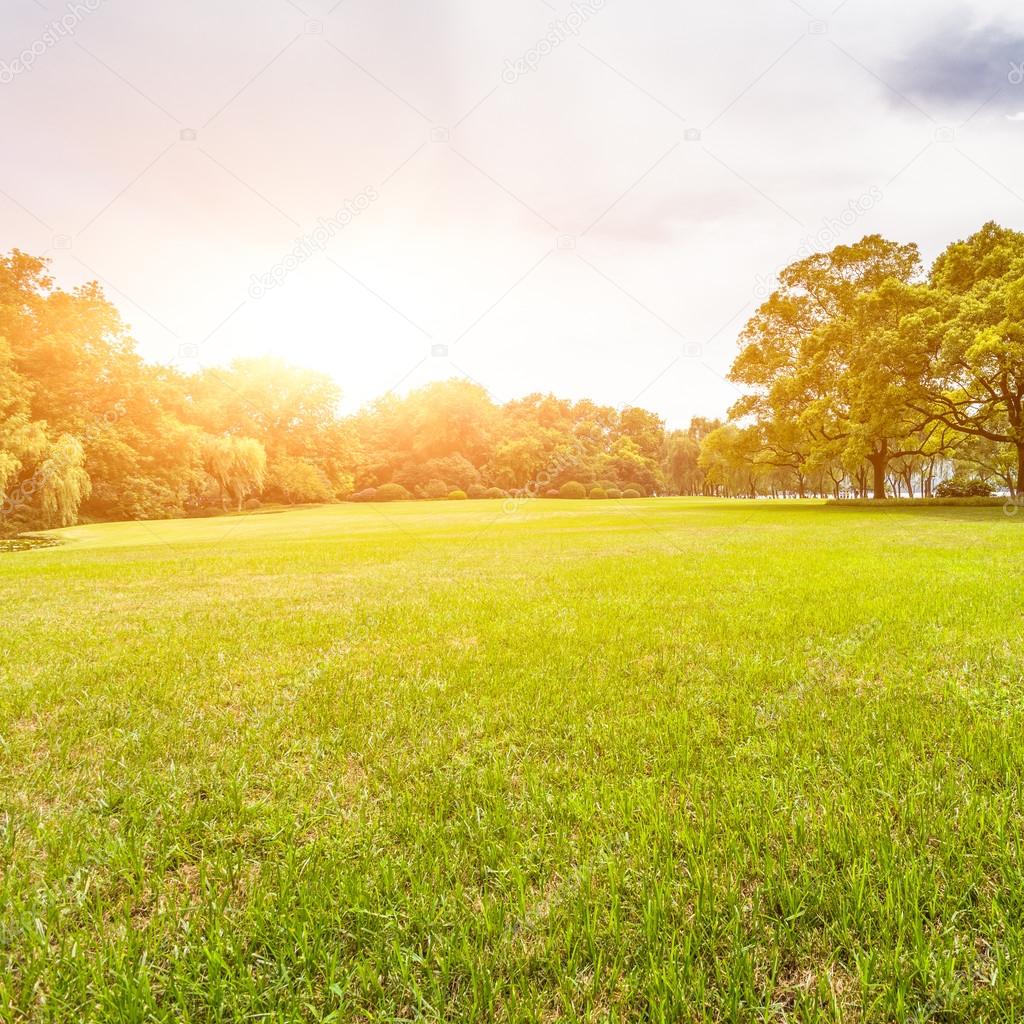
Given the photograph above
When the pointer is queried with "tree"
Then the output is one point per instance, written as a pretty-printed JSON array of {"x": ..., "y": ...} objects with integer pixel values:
[
  {"x": 22, "y": 440},
  {"x": 968, "y": 342},
  {"x": 728, "y": 459},
  {"x": 293, "y": 480},
  {"x": 810, "y": 353},
  {"x": 63, "y": 483},
  {"x": 681, "y": 466},
  {"x": 237, "y": 464}
]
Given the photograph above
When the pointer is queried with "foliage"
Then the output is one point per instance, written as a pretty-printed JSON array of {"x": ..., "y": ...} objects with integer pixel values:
[
  {"x": 598, "y": 493},
  {"x": 859, "y": 360},
  {"x": 392, "y": 492},
  {"x": 237, "y": 464},
  {"x": 961, "y": 488},
  {"x": 629, "y": 492},
  {"x": 861, "y": 373},
  {"x": 297, "y": 480},
  {"x": 572, "y": 489},
  {"x": 63, "y": 483}
]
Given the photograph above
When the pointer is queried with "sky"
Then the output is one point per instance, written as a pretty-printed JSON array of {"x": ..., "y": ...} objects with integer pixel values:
[{"x": 586, "y": 197}]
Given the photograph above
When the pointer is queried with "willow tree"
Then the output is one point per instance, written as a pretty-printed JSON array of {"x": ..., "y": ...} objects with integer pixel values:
[
  {"x": 62, "y": 483},
  {"x": 237, "y": 464},
  {"x": 22, "y": 439}
]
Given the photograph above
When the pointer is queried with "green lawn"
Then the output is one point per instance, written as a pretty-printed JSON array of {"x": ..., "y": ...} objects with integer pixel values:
[{"x": 673, "y": 760}]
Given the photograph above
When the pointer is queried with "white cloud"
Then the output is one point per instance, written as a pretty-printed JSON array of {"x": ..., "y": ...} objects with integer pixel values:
[{"x": 685, "y": 152}]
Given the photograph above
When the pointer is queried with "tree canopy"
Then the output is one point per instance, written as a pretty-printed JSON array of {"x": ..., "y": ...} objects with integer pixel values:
[{"x": 860, "y": 372}]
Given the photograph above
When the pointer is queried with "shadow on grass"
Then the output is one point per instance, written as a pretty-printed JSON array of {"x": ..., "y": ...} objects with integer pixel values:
[
  {"x": 960, "y": 513},
  {"x": 10, "y": 545}
]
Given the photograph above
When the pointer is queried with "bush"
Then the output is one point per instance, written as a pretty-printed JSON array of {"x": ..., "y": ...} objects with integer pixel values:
[
  {"x": 370, "y": 494},
  {"x": 641, "y": 491},
  {"x": 392, "y": 492},
  {"x": 614, "y": 492},
  {"x": 476, "y": 491},
  {"x": 435, "y": 489},
  {"x": 631, "y": 492},
  {"x": 598, "y": 493},
  {"x": 573, "y": 489},
  {"x": 495, "y": 492},
  {"x": 253, "y": 503},
  {"x": 551, "y": 494},
  {"x": 963, "y": 489},
  {"x": 457, "y": 496}
]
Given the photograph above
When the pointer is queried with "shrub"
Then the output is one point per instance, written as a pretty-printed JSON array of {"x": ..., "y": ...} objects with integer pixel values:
[
  {"x": 370, "y": 494},
  {"x": 572, "y": 489},
  {"x": 495, "y": 492},
  {"x": 434, "y": 489},
  {"x": 631, "y": 492},
  {"x": 641, "y": 491},
  {"x": 963, "y": 489},
  {"x": 457, "y": 496},
  {"x": 253, "y": 503},
  {"x": 476, "y": 491},
  {"x": 551, "y": 494},
  {"x": 391, "y": 492},
  {"x": 598, "y": 493}
]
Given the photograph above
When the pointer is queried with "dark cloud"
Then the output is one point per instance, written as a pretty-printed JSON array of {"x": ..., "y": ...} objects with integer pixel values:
[{"x": 958, "y": 63}]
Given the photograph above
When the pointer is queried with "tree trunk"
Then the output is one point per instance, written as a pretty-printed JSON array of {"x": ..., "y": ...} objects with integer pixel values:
[
  {"x": 1019, "y": 489},
  {"x": 878, "y": 462}
]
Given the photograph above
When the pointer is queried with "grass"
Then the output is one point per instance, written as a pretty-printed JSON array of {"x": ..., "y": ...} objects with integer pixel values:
[
  {"x": 674, "y": 760},
  {"x": 1011, "y": 504}
]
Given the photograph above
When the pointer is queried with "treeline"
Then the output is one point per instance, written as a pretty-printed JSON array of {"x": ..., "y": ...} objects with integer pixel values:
[
  {"x": 867, "y": 374},
  {"x": 90, "y": 430},
  {"x": 861, "y": 372}
]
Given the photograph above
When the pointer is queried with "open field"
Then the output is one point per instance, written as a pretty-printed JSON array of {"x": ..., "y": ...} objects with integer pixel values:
[{"x": 672, "y": 760}]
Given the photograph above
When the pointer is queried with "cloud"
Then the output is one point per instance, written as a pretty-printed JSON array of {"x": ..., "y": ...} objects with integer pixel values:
[
  {"x": 958, "y": 64},
  {"x": 1019, "y": 116}
]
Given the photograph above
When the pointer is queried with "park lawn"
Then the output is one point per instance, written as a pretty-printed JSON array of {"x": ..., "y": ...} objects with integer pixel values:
[{"x": 665, "y": 760}]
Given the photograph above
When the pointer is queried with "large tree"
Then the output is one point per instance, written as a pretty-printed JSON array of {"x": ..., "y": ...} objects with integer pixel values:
[
  {"x": 967, "y": 343},
  {"x": 808, "y": 354}
]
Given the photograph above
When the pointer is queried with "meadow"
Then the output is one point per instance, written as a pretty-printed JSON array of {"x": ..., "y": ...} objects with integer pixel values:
[{"x": 663, "y": 760}]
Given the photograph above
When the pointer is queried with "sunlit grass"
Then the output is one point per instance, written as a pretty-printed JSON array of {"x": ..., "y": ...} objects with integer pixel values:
[{"x": 664, "y": 760}]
